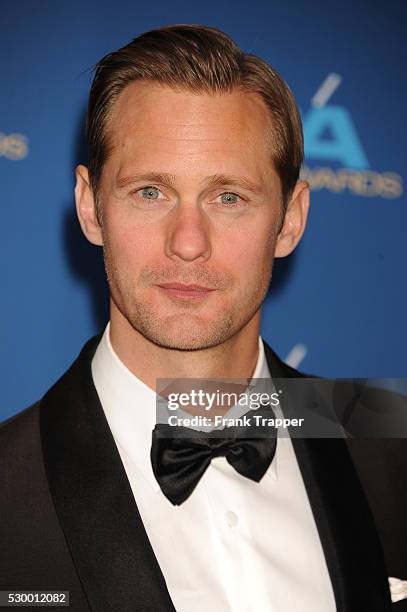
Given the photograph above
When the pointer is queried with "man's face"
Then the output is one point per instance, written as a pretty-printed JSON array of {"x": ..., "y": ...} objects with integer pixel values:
[{"x": 189, "y": 197}]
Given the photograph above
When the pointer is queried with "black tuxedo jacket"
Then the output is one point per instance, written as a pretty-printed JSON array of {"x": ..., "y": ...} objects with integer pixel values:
[{"x": 69, "y": 520}]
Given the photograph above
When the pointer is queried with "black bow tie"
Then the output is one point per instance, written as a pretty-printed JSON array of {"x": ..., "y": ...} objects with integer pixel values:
[{"x": 180, "y": 456}]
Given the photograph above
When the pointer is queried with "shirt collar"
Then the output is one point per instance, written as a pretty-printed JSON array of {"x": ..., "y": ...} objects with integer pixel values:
[{"x": 130, "y": 406}]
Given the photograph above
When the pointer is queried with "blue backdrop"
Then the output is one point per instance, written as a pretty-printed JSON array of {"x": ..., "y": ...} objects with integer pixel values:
[{"x": 337, "y": 307}]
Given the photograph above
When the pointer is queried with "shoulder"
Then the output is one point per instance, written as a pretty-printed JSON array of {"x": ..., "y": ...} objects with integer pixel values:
[
  {"x": 21, "y": 461},
  {"x": 20, "y": 437},
  {"x": 17, "y": 434}
]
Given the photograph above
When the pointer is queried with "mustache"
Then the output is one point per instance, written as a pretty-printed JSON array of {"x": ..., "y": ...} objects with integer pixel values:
[{"x": 198, "y": 275}]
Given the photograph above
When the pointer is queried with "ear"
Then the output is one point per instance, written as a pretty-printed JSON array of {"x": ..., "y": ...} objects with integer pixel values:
[
  {"x": 86, "y": 207},
  {"x": 294, "y": 221}
]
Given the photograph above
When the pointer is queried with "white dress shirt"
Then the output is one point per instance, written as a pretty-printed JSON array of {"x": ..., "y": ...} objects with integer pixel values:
[{"x": 234, "y": 545}]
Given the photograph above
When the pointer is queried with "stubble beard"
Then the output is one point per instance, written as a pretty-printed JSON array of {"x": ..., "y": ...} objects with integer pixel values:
[{"x": 186, "y": 330}]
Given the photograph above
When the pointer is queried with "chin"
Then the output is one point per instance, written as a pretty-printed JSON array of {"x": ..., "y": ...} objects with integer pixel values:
[{"x": 185, "y": 332}]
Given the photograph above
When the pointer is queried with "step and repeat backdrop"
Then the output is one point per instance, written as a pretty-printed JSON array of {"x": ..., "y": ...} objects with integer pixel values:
[{"x": 337, "y": 306}]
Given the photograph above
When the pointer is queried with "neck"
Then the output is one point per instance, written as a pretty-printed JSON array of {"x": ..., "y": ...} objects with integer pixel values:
[{"x": 234, "y": 358}]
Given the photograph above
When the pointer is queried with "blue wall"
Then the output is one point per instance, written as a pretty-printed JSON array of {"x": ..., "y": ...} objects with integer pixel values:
[{"x": 339, "y": 301}]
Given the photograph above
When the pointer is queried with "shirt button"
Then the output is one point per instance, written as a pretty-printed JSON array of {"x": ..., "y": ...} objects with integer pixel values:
[{"x": 231, "y": 518}]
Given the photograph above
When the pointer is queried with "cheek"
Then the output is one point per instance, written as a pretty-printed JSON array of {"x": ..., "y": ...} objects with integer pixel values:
[
  {"x": 250, "y": 251},
  {"x": 127, "y": 245}
]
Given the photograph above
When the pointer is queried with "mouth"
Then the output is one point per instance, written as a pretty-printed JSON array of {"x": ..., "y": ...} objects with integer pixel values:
[{"x": 180, "y": 290}]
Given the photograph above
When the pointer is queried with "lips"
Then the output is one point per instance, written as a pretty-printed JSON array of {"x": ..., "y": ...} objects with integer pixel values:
[
  {"x": 183, "y": 287},
  {"x": 182, "y": 290}
]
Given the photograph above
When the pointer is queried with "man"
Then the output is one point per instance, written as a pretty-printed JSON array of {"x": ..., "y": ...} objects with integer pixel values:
[{"x": 192, "y": 190}]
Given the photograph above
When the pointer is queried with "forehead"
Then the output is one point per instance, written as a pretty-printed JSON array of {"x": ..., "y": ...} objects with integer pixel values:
[
  {"x": 144, "y": 96},
  {"x": 179, "y": 127}
]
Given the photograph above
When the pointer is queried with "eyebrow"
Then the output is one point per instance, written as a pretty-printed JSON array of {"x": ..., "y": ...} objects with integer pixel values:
[
  {"x": 215, "y": 180},
  {"x": 150, "y": 177}
]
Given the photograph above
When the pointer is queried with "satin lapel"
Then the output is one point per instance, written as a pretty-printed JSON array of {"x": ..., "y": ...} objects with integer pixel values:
[
  {"x": 344, "y": 521},
  {"x": 93, "y": 499}
]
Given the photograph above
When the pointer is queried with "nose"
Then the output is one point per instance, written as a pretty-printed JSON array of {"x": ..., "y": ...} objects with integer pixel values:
[{"x": 188, "y": 234}]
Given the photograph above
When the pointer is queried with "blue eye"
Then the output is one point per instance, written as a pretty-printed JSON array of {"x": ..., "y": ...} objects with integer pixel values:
[
  {"x": 150, "y": 193},
  {"x": 229, "y": 198}
]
